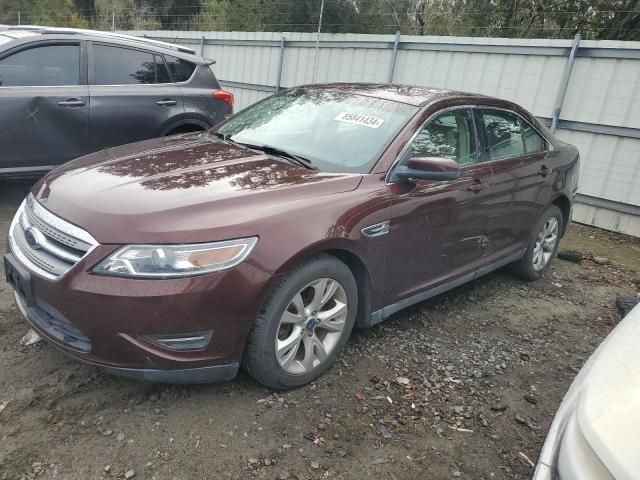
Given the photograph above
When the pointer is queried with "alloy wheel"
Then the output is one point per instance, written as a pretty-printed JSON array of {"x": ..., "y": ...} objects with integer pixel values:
[
  {"x": 545, "y": 243},
  {"x": 311, "y": 326}
]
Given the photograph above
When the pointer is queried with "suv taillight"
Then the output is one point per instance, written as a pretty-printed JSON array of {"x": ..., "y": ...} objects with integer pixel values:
[{"x": 226, "y": 97}]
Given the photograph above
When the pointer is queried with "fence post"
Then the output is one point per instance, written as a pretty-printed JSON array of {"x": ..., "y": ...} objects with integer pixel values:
[
  {"x": 315, "y": 60},
  {"x": 280, "y": 62},
  {"x": 19, "y": 19},
  {"x": 394, "y": 55},
  {"x": 564, "y": 83},
  {"x": 202, "y": 46}
]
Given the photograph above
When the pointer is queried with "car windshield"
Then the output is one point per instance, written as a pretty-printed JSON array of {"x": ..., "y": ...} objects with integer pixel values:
[{"x": 336, "y": 131}]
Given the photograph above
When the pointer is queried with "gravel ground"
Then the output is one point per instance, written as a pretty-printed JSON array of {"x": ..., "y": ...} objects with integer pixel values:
[{"x": 462, "y": 386}]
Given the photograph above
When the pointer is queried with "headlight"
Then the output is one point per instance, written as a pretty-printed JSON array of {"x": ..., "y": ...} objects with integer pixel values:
[{"x": 171, "y": 261}]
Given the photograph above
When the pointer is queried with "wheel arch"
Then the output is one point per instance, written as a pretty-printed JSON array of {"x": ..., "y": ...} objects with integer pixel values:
[
  {"x": 564, "y": 204},
  {"x": 347, "y": 252},
  {"x": 176, "y": 126}
]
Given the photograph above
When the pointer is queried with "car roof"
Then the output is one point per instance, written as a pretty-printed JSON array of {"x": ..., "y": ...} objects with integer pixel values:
[
  {"x": 412, "y": 95},
  {"x": 27, "y": 31}
]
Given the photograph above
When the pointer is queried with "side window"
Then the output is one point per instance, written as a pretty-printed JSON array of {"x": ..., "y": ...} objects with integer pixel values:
[
  {"x": 51, "y": 65},
  {"x": 504, "y": 134},
  {"x": 533, "y": 141},
  {"x": 448, "y": 135},
  {"x": 125, "y": 66},
  {"x": 181, "y": 70},
  {"x": 161, "y": 70}
]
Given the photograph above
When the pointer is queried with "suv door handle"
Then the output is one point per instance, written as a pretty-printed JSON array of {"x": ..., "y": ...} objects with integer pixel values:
[
  {"x": 72, "y": 102},
  {"x": 544, "y": 171},
  {"x": 477, "y": 186},
  {"x": 167, "y": 102}
]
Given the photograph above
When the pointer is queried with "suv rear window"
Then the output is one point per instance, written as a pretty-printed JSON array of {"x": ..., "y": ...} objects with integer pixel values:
[
  {"x": 125, "y": 66},
  {"x": 181, "y": 70}
]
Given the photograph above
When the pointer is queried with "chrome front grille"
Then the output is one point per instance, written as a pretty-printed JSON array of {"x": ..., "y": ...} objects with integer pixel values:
[{"x": 46, "y": 244}]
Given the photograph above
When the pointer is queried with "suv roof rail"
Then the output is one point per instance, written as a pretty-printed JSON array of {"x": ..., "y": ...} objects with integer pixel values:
[{"x": 99, "y": 33}]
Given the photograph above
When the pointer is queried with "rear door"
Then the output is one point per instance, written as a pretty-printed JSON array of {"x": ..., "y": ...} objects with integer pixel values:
[
  {"x": 132, "y": 95},
  {"x": 519, "y": 157},
  {"x": 44, "y": 106}
]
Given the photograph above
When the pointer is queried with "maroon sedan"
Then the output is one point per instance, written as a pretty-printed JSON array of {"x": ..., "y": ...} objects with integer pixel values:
[{"x": 264, "y": 241}]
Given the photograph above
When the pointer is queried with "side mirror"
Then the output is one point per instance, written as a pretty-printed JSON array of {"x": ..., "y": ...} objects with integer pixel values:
[{"x": 427, "y": 168}]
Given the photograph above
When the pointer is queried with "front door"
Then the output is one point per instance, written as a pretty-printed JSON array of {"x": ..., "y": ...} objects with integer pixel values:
[
  {"x": 438, "y": 227},
  {"x": 132, "y": 96},
  {"x": 44, "y": 107},
  {"x": 522, "y": 180}
]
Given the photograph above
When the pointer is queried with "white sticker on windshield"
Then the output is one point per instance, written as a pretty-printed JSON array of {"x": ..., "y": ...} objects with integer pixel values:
[{"x": 364, "y": 120}]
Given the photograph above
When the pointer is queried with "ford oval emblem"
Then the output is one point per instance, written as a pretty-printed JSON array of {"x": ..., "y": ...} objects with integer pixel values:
[{"x": 31, "y": 236}]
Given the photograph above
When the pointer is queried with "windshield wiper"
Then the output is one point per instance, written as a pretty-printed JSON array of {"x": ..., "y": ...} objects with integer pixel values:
[{"x": 302, "y": 161}]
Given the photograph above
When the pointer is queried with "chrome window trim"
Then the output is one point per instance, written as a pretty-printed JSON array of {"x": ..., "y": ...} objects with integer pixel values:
[
  {"x": 417, "y": 132},
  {"x": 54, "y": 221}
]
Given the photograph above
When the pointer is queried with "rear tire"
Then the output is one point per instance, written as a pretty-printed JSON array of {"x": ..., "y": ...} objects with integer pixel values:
[
  {"x": 304, "y": 324},
  {"x": 542, "y": 247}
]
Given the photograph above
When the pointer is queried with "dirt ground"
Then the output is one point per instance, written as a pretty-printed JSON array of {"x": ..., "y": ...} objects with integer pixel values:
[{"x": 462, "y": 386}]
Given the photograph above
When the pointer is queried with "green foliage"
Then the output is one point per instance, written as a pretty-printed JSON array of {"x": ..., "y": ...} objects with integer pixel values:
[{"x": 593, "y": 19}]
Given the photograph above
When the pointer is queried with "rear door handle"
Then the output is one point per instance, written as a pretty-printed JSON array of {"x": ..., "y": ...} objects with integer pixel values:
[
  {"x": 167, "y": 102},
  {"x": 544, "y": 171},
  {"x": 72, "y": 102}
]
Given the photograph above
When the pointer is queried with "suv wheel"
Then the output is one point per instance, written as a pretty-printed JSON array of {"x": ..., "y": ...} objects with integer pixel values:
[
  {"x": 304, "y": 324},
  {"x": 542, "y": 246}
]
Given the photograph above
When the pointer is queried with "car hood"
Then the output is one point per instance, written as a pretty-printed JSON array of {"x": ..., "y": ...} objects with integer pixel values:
[
  {"x": 610, "y": 399},
  {"x": 180, "y": 189}
]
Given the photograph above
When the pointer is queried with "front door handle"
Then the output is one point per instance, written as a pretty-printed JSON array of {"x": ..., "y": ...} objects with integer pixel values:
[
  {"x": 544, "y": 171},
  {"x": 167, "y": 102},
  {"x": 477, "y": 186},
  {"x": 72, "y": 102}
]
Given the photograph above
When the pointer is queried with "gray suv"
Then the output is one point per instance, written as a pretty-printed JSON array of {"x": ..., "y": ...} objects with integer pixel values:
[{"x": 65, "y": 93}]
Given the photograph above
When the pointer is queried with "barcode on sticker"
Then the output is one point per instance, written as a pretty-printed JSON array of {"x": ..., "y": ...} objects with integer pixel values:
[{"x": 356, "y": 119}]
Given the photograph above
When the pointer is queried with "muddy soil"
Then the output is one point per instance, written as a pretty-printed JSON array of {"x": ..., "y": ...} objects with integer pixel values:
[{"x": 433, "y": 393}]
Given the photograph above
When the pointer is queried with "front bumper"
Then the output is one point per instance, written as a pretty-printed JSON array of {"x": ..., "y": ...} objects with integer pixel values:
[{"x": 104, "y": 320}]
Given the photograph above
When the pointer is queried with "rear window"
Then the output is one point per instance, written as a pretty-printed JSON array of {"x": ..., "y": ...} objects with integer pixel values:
[
  {"x": 124, "y": 66},
  {"x": 181, "y": 70}
]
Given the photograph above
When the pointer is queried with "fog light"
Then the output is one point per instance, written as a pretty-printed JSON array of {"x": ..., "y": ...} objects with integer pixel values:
[{"x": 181, "y": 341}]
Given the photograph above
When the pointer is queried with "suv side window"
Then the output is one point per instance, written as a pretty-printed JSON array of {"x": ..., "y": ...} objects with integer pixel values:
[
  {"x": 181, "y": 70},
  {"x": 450, "y": 135},
  {"x": 125, "y": 66},
  {"x": 49, "y": 65}
]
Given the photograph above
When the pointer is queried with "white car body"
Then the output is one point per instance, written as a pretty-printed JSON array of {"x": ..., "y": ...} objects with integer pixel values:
[{"x": 595, "y": 434}]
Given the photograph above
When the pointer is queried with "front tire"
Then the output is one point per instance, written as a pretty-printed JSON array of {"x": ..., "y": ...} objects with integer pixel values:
[
  {"x": 304, "y": 324},
  {"x": 542, "y": 247}
]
